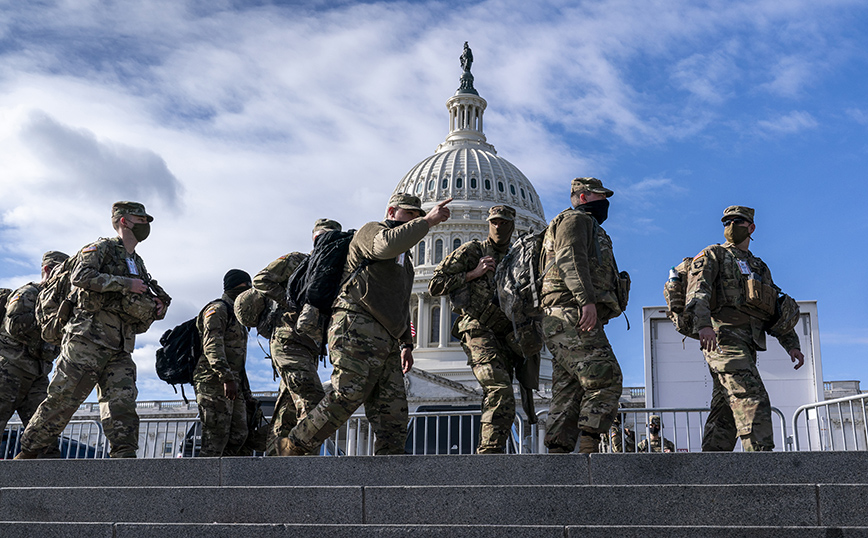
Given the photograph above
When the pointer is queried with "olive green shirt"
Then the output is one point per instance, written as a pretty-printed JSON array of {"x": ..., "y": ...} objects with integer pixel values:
[{"x": 272, "y": 282}]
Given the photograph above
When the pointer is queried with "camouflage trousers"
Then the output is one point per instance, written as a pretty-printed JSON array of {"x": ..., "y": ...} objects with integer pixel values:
[
  {"x": 367, "y": 370},
  {"x": 493, "y": 366},
  {"x": 740, "y": 405},
  {"x": 21, "y": 390},
  {"x": 586, "y": 380},
  {"x": 81, "y": 366},
  {"x": 300, "y": 387},
  {"x": 224, "y": 421}
]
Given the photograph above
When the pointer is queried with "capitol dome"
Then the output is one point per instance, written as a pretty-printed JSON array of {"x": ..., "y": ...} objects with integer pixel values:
[{"x": 466, "y": 168}]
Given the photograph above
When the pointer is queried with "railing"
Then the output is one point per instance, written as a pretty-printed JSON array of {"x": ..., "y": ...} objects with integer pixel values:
[
  {"x": 838, "y": 424},
  {"x": 684, "y": 426},
  {"x": 429, "y": 432}
]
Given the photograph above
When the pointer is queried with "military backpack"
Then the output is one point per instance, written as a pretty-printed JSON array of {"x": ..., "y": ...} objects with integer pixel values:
[
  {"x": 318, "y": 279},
  {"x": 55, "y": 302},
  {"x": 675, "y": 293}
]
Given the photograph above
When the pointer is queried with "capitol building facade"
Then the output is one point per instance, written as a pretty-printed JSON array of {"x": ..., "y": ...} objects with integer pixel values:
[{"x": 466, "y": 168}]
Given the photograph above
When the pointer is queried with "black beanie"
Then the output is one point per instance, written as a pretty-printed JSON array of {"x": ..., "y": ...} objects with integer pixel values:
[{"x": 235, "y": 277}]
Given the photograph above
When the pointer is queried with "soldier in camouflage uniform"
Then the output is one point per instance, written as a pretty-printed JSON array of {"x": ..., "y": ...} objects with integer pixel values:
[
  {"x": 293, "y": 352},
  {"x": 730, "y": 297},
  {"x": 467, "y": 274},
  {"x": 369, "y": 338},
  {"x": 654, "y": 439},
  {"x": 114, "y": 302},
  {"x": 25, "y": 358},
  {"x": 220, "y": 377},
  {"x": 621, "y": 439},
  {"x": 579, "y": 295}
]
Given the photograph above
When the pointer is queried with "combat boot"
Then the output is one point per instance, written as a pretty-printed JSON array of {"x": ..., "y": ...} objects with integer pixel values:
[
  {"x": 285, "y": 447},
  {"x": 25, "y": 455},
  {"x": 589, "y": 443}
]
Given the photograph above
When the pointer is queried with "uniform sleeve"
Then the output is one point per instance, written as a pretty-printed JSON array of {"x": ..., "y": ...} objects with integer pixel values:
[
  {"x": 272, "y": 280},
  {"x": 86, "y": 272},
  {"x": 391, "y": 243},
  {"x": 451, "y": 273},
  {"x": 704, "y": 270},
  {"x": 215, "y": 320},
  {"x": 572, "y": 240},
  {"x": 20, "y": 321}
]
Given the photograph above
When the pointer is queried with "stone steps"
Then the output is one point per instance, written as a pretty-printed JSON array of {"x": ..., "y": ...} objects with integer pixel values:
[{"x": 720, "y": 495}]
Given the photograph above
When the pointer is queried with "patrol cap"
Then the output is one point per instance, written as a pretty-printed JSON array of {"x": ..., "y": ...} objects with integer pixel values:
[
  {"x": 654, "y": 419},
  {"x": 120, "y": 209},
  {"x": 406, "y": 201},
  {"x": 501, "y": 212},
  {"x": 234, "y": 277},
  {"x": 734, "y": 211},
  {"x": 326, "y": 224},
  {"x": 590, "y": 184},
  {"x": 53, "y": 257}
]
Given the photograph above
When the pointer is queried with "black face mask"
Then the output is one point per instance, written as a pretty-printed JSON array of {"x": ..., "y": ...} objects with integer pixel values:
[
  {"x": 599, "y": 209},
  {"x": 141, "y": 231},
  {"x": 393, "y": 223}
]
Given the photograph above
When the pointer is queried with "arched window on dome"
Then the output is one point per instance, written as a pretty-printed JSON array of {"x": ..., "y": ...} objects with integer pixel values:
[
  {"x": 421, "y": 259},
  {"x": 459, "y": 182},
  {"x": 420, "y": 187},
  {"x": 445, "y": 183},
  {"x": 473, "y": 183},
  {"x": 456, "y": 243},
  {"x": 522, "y": 193},
  {"x": 487, "y": 185},
  {"x": 512, "y": 189},
  {"x": 438, "y": 251},
  {"x": 434, "y": 341},
  {"x": 431, "y": 185},
  {"x": 500, "y": 186}
]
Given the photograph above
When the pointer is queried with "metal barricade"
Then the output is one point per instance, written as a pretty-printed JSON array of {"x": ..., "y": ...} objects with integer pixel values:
[
  {"x": 682, "y": 425},
  {"x": 838, "y": 424},
  {"x": 81, "y": 439}
]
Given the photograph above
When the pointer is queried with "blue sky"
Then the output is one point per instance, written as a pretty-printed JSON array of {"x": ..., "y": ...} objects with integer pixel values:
[{"x": 240, "y": 123}]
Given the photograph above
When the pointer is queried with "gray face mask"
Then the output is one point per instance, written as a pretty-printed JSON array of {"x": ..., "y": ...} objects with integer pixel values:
[{"x": 141, "y": 231}]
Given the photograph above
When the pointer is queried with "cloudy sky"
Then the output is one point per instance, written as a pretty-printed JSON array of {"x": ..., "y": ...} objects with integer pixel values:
[{"x": 239, "y": 123}]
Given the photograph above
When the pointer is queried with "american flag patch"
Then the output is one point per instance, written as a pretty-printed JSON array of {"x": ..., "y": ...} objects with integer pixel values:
[
  {"x": 89, "y": 249},
  {"x": 210, "y": 311}
]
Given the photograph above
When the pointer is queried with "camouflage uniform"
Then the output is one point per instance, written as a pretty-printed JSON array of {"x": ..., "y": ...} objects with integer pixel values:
[
  {"x": 224, "y": 351},
  {"x": 656, "y": 445},
  {"x": 586, "y": 377},
  {"x": 618, "y": 440},
  {"x": 293, "y": 354},
  {"x": 97, "y": 347},
  {"x": 717, "y": 298},
  {"x": 25, "y": 359},
  {"x": 485, "y": 335},
  {"x": 370, "y": 323}
]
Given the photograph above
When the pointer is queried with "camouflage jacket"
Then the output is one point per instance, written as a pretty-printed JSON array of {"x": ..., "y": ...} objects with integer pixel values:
[
  {"x": 383, "y": 287},
  {"x": 716, "y": 295},
  {"x": 584, "y": 269},
  {"x": 224, "y": 344},
  {"x": 103, "y": 272},
  {"x": 20, "y": 339},
  {"x": 655, "y": 445},
  {"x": 475, "y": 301},
  {"x": 272, "y": 282}
]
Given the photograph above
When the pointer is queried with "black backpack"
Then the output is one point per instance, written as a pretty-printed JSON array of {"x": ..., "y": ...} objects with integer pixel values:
[
  {"x": 317, "y": 280},
  {"x": 180, "y": 351}
]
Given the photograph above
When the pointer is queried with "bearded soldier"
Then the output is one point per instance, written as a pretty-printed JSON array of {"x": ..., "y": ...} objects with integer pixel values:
[
  {"x": 486, "y": 334},
  {"x": 25, "y": 358},
  {"x": 293, "y": 352},
  {"x": 115, "y": 299},
  {"x": 580, "y": 294},
  {"x": 730, "y": 297}
]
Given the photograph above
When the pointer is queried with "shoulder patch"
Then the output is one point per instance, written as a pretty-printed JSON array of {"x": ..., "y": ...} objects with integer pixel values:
[
  {"x": 14, "y": 298},
  {"x": 211, "y": 310},
  {"x": 701, "y": 254},
  {"x": 90, "y": 248}
]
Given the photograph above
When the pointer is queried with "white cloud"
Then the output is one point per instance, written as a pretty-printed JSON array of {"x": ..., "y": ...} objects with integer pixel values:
[{"x": 794, "y": 122}]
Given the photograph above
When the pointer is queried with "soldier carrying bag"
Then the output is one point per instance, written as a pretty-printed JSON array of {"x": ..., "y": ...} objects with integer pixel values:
[
  {"x": 180, "y": 351},
  {"x": 55, "y": 302}
]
